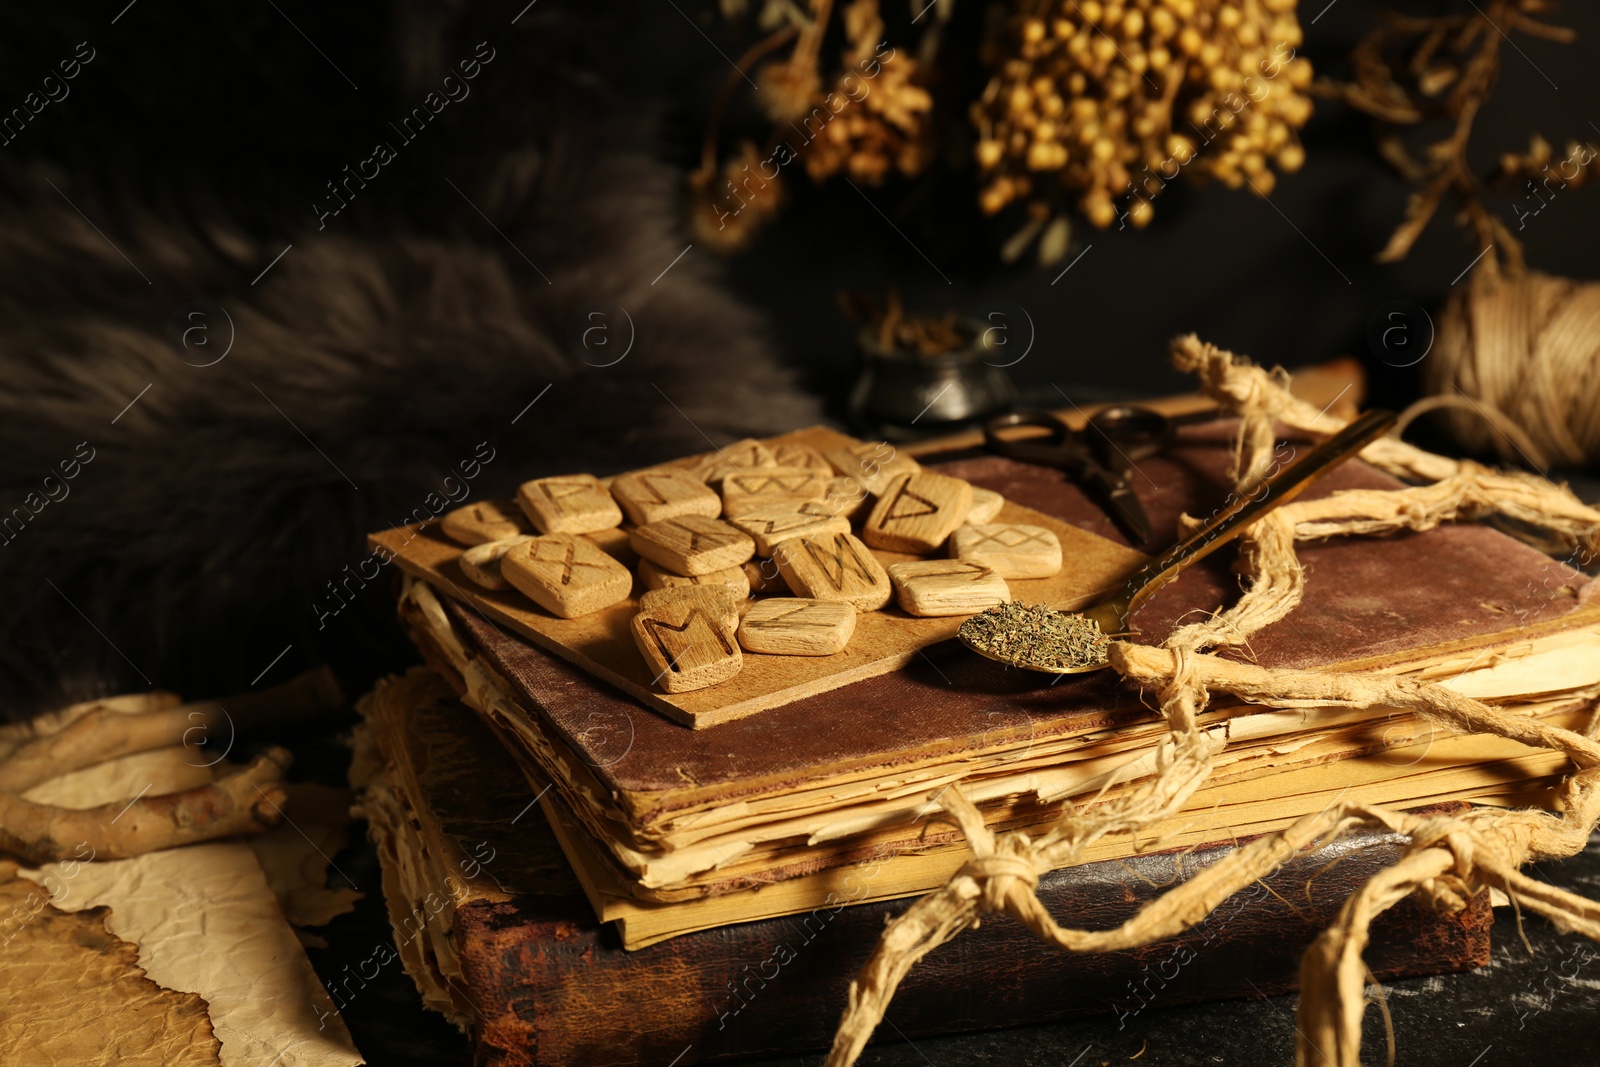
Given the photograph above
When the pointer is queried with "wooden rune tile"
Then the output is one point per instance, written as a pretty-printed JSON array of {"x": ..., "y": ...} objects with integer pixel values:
[
  {"x": 986, "y": 504},
  {"x": 649, "y": 496},
  {"x": 870, "y": 465},
  {"x": 773, "y": 524},
  {"x": 745, "y": 491},
  {"x": 745, "y": 455},
  {"x": 947, "y": 587},
  {"x": 569, "y": 504},
  {"x": 1011, "y": 550},
  {"x": 848, "y": 498},
  {"x": 798, "y": 455},
  {"x": 657, "y": 577},
  {"x": 484, "y": 521},
  {"x": 692, "y": 544},
  {"x": 481, "y": 563},
  {"x": 834, "y": 567},
  {"x": 565, "y": 574},
  {"x": 790, "y": 626},
  {"x": 687, "y": 637},
  {"x": 917, "y": 512},
  {"x": 726, "y": 604}
]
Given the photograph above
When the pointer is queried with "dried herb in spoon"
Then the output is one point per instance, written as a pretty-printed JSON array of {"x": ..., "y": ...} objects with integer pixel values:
[{"x": 1037, "y": 637}]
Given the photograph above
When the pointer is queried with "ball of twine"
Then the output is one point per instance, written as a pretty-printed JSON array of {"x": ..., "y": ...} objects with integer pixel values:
[{"x": 1517, "y": 365}]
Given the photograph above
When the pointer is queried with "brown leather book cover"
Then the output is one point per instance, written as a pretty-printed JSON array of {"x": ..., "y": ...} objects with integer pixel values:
[{"x": 540, "y": 981}]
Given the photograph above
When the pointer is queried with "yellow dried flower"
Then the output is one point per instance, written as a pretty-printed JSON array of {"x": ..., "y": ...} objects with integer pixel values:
[
  {"x": 880, "y": 124},
  {"x": 1150, "y": 89},
  {"x": 788, "y": 89},
  {"x": 730, "y": 203}
]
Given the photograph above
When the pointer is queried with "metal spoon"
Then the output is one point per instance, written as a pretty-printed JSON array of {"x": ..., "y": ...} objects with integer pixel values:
[{"x": 1112, "y": 615}]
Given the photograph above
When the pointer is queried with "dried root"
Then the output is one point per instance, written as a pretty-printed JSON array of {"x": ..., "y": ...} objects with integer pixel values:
[{"x": 247, "y": 800}]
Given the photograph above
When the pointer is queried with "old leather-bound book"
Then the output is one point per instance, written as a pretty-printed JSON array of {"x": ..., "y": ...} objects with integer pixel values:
[
  {"x": 759, "y": 814},
  {"x": 491, "y": 925}
]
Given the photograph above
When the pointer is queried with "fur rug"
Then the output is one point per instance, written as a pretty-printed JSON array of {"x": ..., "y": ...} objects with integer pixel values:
[{"x": 174, "y": 524}]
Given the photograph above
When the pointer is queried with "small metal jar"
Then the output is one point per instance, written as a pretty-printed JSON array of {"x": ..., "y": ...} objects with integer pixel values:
[{"x": 904, "y": 395}]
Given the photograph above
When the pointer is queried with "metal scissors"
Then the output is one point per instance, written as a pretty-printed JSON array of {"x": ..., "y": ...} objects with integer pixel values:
[{"x": 1101, "y": 455}]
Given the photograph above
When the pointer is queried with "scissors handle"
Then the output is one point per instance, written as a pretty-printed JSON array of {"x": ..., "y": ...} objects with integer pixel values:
[
  {"x": 1093, "y": 456},
  {"x": 1057, "y": 448},
  {"x": 1128, "y": 432}
]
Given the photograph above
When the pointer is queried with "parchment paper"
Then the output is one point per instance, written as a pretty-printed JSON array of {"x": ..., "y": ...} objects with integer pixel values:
[{"x": 205, "y": 921}]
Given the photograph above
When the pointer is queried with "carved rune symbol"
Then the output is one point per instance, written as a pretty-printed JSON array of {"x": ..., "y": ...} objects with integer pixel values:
[
  {"x": 785, "y": 522},
  {"x": 1012, "y": 537},
  {"x": 762, "y": 483},
  {"x": 648, "y": 482},
  {"x": 908, "y": 505},
  {"x": 567, "y": 559},
  {"x": 750, "y": 455},
  {"x": 556, "y": 491},
  {"x": 795, "y": 617},
  {"x": 700, "y": 539},
  {"x": 975, "y": 572},
  {"x": 844, "y": 558},
  {"x": 688, "y": 637}
]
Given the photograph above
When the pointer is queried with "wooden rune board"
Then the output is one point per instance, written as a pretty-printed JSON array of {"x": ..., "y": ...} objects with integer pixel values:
[{"x": 883, "y": 641}]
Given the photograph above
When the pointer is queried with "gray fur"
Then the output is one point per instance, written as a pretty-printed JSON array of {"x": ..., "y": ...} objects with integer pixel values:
[{"x": 198, "y": 541}]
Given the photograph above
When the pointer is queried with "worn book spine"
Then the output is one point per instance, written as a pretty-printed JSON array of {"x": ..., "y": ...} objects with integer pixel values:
[{"x": 553, "y": 987}]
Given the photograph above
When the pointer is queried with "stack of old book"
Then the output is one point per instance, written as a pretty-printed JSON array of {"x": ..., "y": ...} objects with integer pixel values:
[{"x": 577, "y": 877}]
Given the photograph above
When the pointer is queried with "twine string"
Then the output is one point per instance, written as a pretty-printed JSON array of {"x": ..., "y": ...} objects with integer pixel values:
[{"x": 1521, "y": 353}]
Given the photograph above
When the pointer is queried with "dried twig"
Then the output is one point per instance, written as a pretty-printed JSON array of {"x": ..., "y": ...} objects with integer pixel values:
[
  {"x": 104, "y": 732},
  {"x": 248, "y": 801},
  {"x": 866, "y": 117},
  {"x": 1414, "y": 70}
]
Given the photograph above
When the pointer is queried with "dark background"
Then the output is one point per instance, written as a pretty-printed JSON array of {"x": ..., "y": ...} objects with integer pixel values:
[
  {"x": 236, "y": 102},
  {"x": 1222, "y": 263}
]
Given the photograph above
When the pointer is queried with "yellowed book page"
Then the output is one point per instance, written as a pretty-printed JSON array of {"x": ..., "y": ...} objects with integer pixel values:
[{"x": 1452, "y": 768}]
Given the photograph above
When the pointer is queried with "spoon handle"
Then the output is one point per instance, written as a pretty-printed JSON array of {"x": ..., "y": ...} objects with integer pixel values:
[{"x": 1241, "y": 511}]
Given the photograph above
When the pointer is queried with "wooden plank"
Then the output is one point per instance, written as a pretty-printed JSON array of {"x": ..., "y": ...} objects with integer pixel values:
[{"x": 602, "y": 643}]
